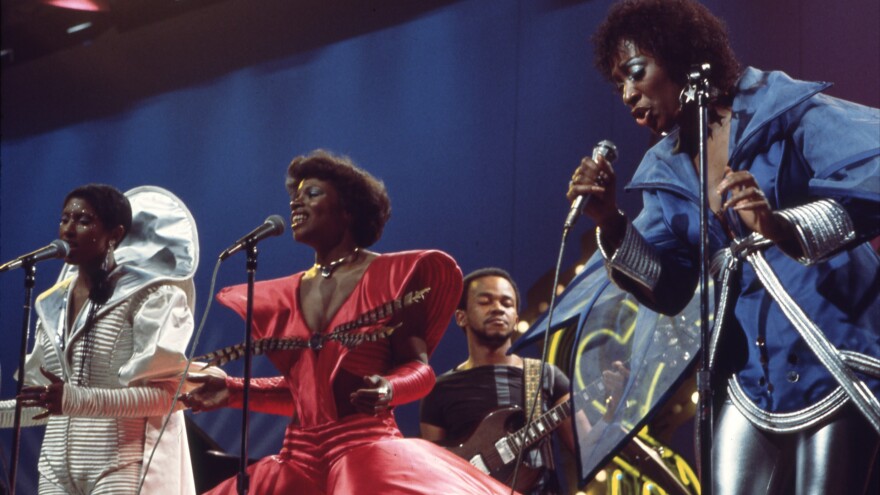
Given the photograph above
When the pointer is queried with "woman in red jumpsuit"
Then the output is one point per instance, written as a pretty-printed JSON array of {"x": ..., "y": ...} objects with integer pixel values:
[{"x": 352, "y": 336}]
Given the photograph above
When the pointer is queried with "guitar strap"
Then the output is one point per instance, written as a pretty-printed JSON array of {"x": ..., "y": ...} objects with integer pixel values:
[{"x": 532, "y": 375}]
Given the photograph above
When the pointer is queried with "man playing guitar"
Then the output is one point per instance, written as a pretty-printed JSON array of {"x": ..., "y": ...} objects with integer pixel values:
[{"x": 477, "y": 404}]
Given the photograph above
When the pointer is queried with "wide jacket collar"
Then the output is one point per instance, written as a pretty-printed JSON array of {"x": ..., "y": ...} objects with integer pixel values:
[
  {"x": 761, "y": 99},
  {"x": 161, "y": 246}
]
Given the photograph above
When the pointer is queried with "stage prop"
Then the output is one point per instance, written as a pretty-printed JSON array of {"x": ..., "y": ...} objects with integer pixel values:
[{"x": 626, "y": 361}]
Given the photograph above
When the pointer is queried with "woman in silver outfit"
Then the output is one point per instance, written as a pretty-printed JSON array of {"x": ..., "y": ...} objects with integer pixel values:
[{"x": 110, "y": 342}]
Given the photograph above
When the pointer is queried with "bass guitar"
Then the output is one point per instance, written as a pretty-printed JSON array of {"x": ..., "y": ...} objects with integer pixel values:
[{"x": 496, "y": 442}]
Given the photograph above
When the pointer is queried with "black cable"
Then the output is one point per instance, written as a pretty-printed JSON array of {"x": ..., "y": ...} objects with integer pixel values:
[
  {"x": 182, "y": 382},
  {"x": 531, "y": 414}
]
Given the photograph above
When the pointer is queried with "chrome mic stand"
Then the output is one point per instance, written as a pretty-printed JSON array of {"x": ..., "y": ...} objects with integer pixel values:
[
  {"x": 698, "y": 90},
  {"x": 29, "y": 282},
  {"x": 251, "y": 266}
]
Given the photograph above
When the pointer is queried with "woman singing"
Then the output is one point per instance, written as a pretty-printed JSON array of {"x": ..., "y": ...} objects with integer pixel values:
[
  {"x": 110, "y": 342},
  {"x": 352, "y": 335},
  {"x": 794, "y": 195}
]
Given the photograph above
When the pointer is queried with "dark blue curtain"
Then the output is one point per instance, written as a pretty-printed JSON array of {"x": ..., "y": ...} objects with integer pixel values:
[{"x": 473, "y": 112}]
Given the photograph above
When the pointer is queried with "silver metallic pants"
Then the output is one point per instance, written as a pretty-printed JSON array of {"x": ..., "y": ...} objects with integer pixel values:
[{"x": 830, "y": 458}]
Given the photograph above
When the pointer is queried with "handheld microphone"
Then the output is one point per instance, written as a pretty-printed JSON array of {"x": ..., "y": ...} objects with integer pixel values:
[
  {"x": 605, "y": 149},
  {"x": 55, "y": 249},
  {"x": 274, "y": 225}
]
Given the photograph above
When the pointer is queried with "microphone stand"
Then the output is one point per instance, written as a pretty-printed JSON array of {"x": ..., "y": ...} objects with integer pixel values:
[
  {"x": 29, "y": 280},
  {"x": 251, "y": 266},
  {"x": 699, "y": 89}
]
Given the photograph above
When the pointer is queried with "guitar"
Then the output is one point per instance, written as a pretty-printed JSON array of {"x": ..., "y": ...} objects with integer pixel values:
[{"x": 495, "y": 456}]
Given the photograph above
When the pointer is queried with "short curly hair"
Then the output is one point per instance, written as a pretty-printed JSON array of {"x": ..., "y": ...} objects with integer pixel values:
[
  {"x": 679, "y": 34},
  {"x": 363, "y": 196},
  {"x": 111, "y": 206},
  {"x": 481, "y": 273}
]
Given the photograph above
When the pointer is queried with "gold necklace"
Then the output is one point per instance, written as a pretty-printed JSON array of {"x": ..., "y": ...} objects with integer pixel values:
[{"x": 327, "y": 270}]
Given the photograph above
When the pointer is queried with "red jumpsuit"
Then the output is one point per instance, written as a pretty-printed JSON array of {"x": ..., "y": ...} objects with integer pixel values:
[{"x": 358, "y": 453}]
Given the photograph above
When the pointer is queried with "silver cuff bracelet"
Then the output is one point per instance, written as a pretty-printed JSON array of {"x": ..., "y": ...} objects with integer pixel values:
[
  {"x": 822, "y": 227},
  {"x": 635, "y": 258}
]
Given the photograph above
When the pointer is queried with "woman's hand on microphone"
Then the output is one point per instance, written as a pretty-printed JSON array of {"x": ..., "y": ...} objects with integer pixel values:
[{"x": 596, "y": 181}]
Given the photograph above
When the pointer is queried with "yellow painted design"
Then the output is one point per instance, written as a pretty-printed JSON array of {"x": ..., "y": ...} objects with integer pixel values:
[
  {"x": 687, "y": 475},
  {"x": 616, "y": 482},
  {"x": 649, "y": 397},
  {"x": 554, "y": 347},
  {"x": 623, "y": 339},
  {"x": 650, "y": 488},
  {"x": 628, "y": 468}
]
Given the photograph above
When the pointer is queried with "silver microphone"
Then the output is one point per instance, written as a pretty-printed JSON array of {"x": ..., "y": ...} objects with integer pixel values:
[
  {"x": 605, "y": 149},
  {"x": 274, "y": 225},
  {"x": 55, "y": 249}
]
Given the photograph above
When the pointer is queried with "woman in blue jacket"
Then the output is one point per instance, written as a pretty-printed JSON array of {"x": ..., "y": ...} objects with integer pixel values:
[{"x": 794, "y": 187}]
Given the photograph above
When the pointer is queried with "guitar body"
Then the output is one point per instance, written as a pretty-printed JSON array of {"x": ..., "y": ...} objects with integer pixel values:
[{"x": 480, "y": 449}]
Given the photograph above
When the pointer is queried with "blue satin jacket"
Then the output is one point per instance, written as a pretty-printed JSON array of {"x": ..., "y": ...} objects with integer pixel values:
[{"x": 801, "y": 146}]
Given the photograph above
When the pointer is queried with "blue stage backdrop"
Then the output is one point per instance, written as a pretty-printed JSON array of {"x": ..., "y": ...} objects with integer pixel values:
[{"x": 473, "y": 112}]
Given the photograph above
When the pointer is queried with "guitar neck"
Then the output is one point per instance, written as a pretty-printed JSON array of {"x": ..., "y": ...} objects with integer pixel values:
[{"x": 542, "y": 426}]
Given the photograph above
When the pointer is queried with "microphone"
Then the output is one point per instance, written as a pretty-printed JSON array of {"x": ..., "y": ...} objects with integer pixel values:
[
  {"x": 605, "y": 149},
  {"x": 274, "y": 225},
  {"x": 55, "y": 249}
]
